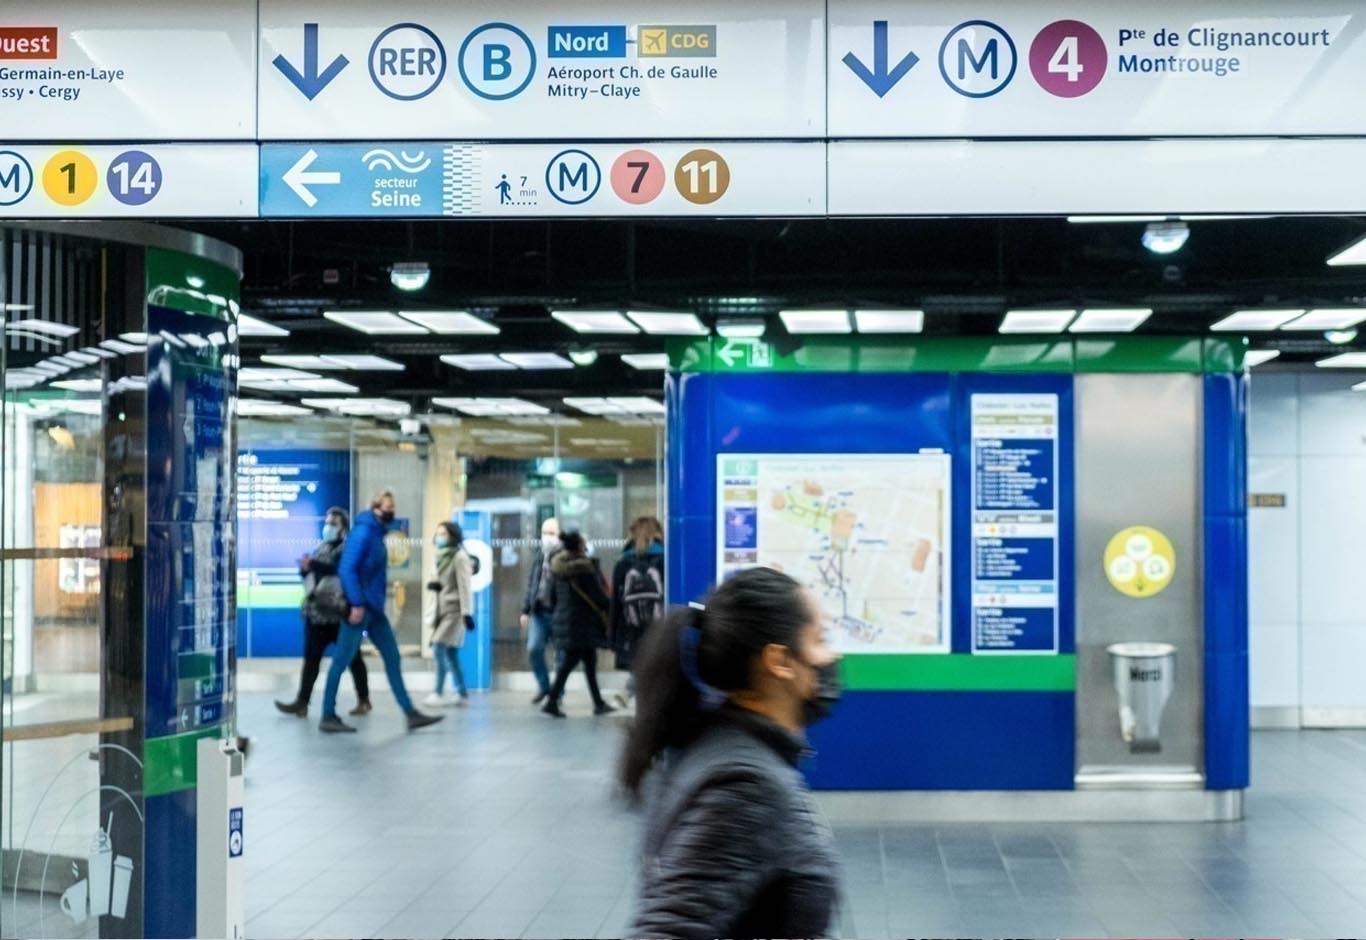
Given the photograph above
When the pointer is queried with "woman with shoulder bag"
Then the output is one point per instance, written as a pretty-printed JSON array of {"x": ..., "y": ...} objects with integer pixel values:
[
  {"x": 454, "y": 613},
  {"x": 324, "y": 609},
  {"x": 578, "y": 597}
]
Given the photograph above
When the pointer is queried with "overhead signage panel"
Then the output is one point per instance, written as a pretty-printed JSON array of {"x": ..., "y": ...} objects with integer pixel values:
[
  {"x": 154, "y": 70},
  {"x": 434, "y": 179},
  {"x": 1105, "y": 177},
  {"x": 943, "y": 68},
  {"x": 575, "y": 71},
  {"x": 43, "y": 181}
]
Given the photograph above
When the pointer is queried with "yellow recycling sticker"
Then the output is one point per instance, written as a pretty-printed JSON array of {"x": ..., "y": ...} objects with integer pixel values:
[{"x": 1140, "y": 561}]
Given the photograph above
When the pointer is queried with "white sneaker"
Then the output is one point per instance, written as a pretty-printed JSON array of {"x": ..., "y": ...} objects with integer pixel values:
[
  {"x": 452, "y": 699},
  {"x": 434, "y": 700}
]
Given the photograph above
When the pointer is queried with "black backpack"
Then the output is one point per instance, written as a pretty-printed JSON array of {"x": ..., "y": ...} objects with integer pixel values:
[{"x": 642, "y": 594}]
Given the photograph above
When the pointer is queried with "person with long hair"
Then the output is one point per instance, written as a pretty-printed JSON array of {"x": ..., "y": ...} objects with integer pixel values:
[
  {"x": 735, "y": 846},
  {"x": 637, "y": 594},
  {"x": 324, "y": 609},
  {"x": 578, "y": 597},
  {"x": 365, "y": 580},
  {"x": 454, "y": 614}
]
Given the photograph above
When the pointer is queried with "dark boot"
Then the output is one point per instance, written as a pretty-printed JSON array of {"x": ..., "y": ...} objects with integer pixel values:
[
  {"x": 602, "y": 708},
  {"x": 552, "y": 708},
  {"x": 363, "y": 707},
  {"x": 297, "y": 708},
  {"x": 331, "y": 724}
]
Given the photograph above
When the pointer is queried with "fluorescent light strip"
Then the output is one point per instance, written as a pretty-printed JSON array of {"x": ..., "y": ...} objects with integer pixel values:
[
  {"x": 1255, "y": 357},
  {"x": 247, "y": 325},
  {"x": 335, "y": 386},
  {"x": 1113, "y": 219},
  {"x": 1117, "y": 320},
  {"x": 1354, "y": 253},
  {"x": 364, "y": 363},
  {"x": 491, "y": 407},
  {"x": 260, "y": 408},
  {"x": 646, "y": 361},
  {"x": 450, "y": 322},
  {"x": 34, "y": 325},
  {"x": 1037, "y": 321},
  {"x": 889, "y": 321},
  {"x": 258, "y": 374},
  {"x": 1328, "y": 318},
  {"x": 595, "y": 321},
  {"x": 668, "y": 324},
  {"x": 537, "y": 361},
  {"x": 79, "y": 385},
  {"x": 802, "y": 322},
  {"x": 1349, "y": 360},
  {"x": 362, "y": 407},
  {"x": 302, "y": 362},
  {"x": 740, "y": 328},
  {"x": 376, "y": 322},
  {"x": 1253, "y": 320},
  {"x": 478, "y": 362}
]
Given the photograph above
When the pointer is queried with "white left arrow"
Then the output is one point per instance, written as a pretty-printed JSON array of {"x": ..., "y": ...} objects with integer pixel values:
[{"x": 299, "y": 178}]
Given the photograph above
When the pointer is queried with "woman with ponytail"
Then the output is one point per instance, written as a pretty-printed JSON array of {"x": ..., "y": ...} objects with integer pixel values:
[{"x": 735, "y": 846}]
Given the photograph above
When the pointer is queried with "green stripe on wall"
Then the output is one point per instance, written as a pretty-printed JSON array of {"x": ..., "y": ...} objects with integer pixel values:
[
  {"x": 270, "y": 595},
  {"x": 960, "y": 673},
  {"x": 172, "y": 763}
]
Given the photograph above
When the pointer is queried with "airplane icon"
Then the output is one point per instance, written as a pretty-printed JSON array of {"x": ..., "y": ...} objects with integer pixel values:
[{"x": 653, "y": 41}]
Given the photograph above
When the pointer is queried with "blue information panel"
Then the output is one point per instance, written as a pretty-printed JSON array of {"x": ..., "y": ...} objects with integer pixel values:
[
  {"x": 403, "y": 180},
  {"x": 282, "y": 497},
  {"x": 1014, "y": 523}
]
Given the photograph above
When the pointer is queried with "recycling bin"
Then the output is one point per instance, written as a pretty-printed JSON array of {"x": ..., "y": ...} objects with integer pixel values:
[{"x": 1145, "y": 675}]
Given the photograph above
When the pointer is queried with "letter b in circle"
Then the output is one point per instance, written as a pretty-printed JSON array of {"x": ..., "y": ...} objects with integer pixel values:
[{"x": 497, "y": 61}]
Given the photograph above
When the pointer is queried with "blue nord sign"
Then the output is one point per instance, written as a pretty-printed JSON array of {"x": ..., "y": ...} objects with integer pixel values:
[{"x": 586, "y": 42}]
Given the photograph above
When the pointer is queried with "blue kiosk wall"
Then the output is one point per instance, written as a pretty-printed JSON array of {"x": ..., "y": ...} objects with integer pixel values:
[{"x": 958, "y": 721}]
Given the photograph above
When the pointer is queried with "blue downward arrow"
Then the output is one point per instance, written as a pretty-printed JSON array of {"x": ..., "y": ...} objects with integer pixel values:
[
  {"x": 310, "y": 82},
  {"x": 880, "y": 79}
]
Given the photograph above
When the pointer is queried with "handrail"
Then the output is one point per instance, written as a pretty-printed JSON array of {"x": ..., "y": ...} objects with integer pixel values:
[
  {"x": 113, "y": 553},
  {"x": 47, "y": 730}
]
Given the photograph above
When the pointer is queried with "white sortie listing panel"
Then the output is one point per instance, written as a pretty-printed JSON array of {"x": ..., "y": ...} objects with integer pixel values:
[
  {"x": 44, "y": 181},
  {"x": 945, "y": 68},
  {"x": 150, "y": 70},
  {"x": 568, "y": 70}
]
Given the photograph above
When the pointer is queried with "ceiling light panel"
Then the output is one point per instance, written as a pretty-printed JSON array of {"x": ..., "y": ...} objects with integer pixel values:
[
  {"x": 1351, "y": 360},
  {"x": 1253, "y": 320},
  {"x": 450, "y": 322},
  {"x": 638, "y": 406},
  {"x": 491, "y": 407},
  {"x": 740, "y": 328},
  {"x": 302, "y": 362},
  {"x": 478, "y": 362},
  {"x": 595, "y": 321},
  {"x": 376, "y": 322},
  {"x": 1037, "y": 321},
  {"x": 1110, "y": 320},
  {"x": 46, "y": 327},
  {"x": 668, "y": 324},
  {"x": 260, "y": 374},
  {"x": 362, "y": 407},
  {"x": 1328, "y": 318},
  {"x": 119, "y": 346},
  {"x": 646, "y": 361},
  {"x": 537, "y": 361},
  {"x": 1354, "y": 253},
  {"x": 1255, "y": 357},
  {"x": 248, "y": 325},
  {"x": 800, "y": 322},
  {"x": 889, "y": 321},
  {"x": 334, "y": 386},
  {"x": 260, "y": 408},
  {"x": 363, "y": 363}
]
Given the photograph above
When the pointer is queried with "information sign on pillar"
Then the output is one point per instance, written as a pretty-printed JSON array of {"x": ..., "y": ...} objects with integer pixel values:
[{"x": 1015, "y": 523}]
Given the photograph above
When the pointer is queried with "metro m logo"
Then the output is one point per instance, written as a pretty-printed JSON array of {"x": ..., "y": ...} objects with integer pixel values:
[{"x": 977, "y": 59}]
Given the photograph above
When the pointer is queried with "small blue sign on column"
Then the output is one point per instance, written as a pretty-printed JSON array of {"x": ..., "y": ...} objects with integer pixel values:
[
  {"x": 235, "y": 832},
  {"x": 352, "y": 180}
]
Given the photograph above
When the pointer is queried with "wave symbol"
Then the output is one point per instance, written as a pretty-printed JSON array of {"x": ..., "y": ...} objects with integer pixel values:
[{"x": 405, "y": 162}]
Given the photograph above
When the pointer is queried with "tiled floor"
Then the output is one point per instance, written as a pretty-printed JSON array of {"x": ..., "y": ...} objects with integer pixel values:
[{"x": 502, "y": 823}]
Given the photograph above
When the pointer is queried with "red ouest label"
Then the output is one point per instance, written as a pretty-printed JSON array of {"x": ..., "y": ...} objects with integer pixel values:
[{"x": 28, "y": 42}]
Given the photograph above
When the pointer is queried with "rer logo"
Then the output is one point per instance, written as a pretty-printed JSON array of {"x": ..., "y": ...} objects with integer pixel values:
[
  {"x": 587, "y": 42},
  {"x": 497, "y": 61},
  {"x": 977, "y": 59},
  {"x": 696, "y": 42},
  {"x": 573, "y": 177},
  {"x": 28, "y": 42}
]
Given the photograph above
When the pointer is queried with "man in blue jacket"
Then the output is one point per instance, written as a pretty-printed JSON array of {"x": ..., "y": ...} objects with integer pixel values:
[{"x": 364, "y": 576}]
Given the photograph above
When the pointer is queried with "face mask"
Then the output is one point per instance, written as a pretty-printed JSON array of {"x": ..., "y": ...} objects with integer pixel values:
[
  {"x": 827, "y": 696},
  {"x": 385, "y": 517},
  {"x": 442, "y": 541},
  {"x": 331, "y": 533}
]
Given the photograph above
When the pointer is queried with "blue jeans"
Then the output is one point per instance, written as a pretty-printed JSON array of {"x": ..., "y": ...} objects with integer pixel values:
[
  {"x": 348, "y": 643},
  {"x": 537, "y": 639},
  {"x": 448, "y": 660}
]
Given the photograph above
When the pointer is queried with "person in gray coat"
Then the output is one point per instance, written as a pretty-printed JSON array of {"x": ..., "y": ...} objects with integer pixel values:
[
  {"x": 735, "y": 846},
  {"x": 453, "y": 617}
]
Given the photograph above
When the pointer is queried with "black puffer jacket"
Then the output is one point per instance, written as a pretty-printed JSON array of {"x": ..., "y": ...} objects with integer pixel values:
[
  {"x": 735, "y": 845},
  {"x": 578, "y": 596}
]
